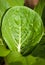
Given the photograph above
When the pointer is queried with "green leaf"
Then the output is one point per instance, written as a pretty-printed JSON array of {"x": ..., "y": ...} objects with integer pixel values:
[
  {"x": 36, "y": 58},
  {"x": 15, "y": 58},
  {"x": 5, "y": 4},
  {"x": 40, "y": 49},
  {"x": 3, "y": 51},
  {"x": 22, "y": 29},
  {"x": 43, "y": 17},
  {"x": 39, "y": 7},
  {"x": 28, "y": 60}
]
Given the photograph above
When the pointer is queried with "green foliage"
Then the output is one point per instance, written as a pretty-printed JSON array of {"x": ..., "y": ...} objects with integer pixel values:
[
  {"x": 12, "y": 56},
  {"x": 5, "y": 4},
  {"x": 22, "y": 30},
  {"x": 43, "y": 17},
  {"x": 3, "y": 51},
  {"x": 39, "y": 7}
]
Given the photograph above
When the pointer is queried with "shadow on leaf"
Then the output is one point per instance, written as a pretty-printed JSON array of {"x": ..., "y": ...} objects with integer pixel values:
[
  {"x": 16, "y": 63},
  {"x": 39, "y": 62},
  {"x": 40, "y": 49}
]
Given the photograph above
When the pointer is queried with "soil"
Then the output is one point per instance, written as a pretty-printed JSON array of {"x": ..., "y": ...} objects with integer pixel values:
[{"x": 2, "y": 62}]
